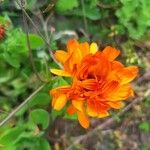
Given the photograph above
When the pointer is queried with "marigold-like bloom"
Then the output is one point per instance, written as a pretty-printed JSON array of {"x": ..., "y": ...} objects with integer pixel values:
[
  {"x": 99, "y": 84},
  {"x": 2, "y": 32},
  {"x": 71, "y": 58}
]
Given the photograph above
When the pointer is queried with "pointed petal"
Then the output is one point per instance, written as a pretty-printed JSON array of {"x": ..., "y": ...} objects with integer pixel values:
[
  {"x": 103, "y": 114},
  {"x": 78, "y": 104},
  {"x": 71, "y": 110},
  {"x": 93, "y": 48},
  {"x": 127, "y": 74},
  {"x": 91, "y": 112},
  {"x": 61, "y": 56},
  {"x": 85, "y": 48},
  {"x": 60, "y": 102},
  {"x": 72, "y": 44},
  {"x": 121, "y": 93},
  {"x": 60, "y": 72},
  {"x": 111, "y": 53},
  {"x": 115, "y": 105},
  {"x": 83, "y": 119}
]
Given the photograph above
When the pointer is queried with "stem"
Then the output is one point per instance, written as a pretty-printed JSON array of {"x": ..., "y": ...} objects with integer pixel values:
[
  {"x": 84, "y": 18},
  {"x": 20, "y": 106},
  {"x": 34, "y": 25}
]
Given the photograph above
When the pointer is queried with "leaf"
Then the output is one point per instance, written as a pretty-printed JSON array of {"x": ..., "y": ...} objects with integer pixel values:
[
  {"x": 92, "y": 14},
  {"x": 40, "y": 117},
  {"x": 43, "y": 144},
  {"x": 35, "y": 41},
  {"x": 71, "y": 117},
  {"x": 64, "y": 5},
  {"x": 59, "y": 81},
  {"x": 40, "y": 99},
  {"x": 145, "y": 126},
  {"x": 12, "y": 60},
  {"x": 11, "y": 135}
]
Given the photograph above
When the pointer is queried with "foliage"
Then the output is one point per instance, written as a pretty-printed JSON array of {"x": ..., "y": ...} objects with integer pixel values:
[{"x": 109, "y": 22}]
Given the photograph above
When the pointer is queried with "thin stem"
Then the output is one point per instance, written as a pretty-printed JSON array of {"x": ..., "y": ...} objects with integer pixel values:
[
  {"x": 84, "y": 18},
  {"x": 20, "y": 106},
  {"x": 46, "y": 42},
  {"x": 30, "y": 50}
]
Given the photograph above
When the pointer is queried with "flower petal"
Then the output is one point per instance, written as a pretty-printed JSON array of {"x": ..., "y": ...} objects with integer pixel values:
[
  {"x": 60, "y": 72},
  {"x": 71, "y": 110},
  {"x": 93, "y": 48},
  {"x": 59, "y": 103},
  {"x": 121, "y": 93},
  {"x": 72, "y": 44},
  {"x": 111, "y": 53},
  {"x": 61, "y": 56},
  {"x": 115, "y": 105},
  {"x": 127, "y": 74},
  {"x": 103, "y": 114},
  {"x": 78, "y": 104},
  {"x": 83, "y": 119}
]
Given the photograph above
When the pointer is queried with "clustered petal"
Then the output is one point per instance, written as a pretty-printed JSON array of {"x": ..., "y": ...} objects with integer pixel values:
[
  {"x": 2, "y": 32},
  {"x": 99, "y": 82}
]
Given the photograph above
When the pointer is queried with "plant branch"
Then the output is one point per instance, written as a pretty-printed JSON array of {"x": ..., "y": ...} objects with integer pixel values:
[
  {"x": 29, "y": 48},
  {"x": 20, "y": 106},
  {"x": 84, "y": 18}
]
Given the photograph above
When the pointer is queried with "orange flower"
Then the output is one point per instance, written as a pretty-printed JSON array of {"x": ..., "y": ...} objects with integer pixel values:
[
  {"x": 71, "y": 58},
  {"x": 2, "y": 32},
  {"x": 99, "y": 84}
]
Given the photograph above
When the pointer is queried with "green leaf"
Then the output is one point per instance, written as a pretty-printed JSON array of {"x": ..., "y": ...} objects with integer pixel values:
[
  {"x": 40, "y": 117},
  {"x": 92, "y": 14},
  {"x": 43, "y": 144},
  {"x": 70, "y": 117},
  {"x": 40, "y": 99},
  {"x": 35, "y": 41},
  {"x": 145, "y": 126},
  {"x": 64, "y": 5},
  {"x": 11, "y": 135},
  {"x": 12, "y": 59}
]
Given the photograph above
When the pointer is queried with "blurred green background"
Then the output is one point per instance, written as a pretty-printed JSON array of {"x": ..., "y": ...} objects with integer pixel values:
[{"x": 124, "y": 24}]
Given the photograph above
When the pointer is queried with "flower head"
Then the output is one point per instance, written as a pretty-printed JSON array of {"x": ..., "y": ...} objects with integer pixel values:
[
  {"x": 2, "y": 32},
  {"x": 99, "y": 84}
]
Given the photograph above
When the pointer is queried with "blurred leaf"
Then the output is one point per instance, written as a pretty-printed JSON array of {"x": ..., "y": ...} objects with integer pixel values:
[
  {"x": 145, "y": 126},
  {"x": 11, "y": 59},
  {"x": 40, "y": 117},
  {"x": 70, "y": 117},
  {"x": 64, "y": 5},
  {"x": 40, "y": 99},
  {"x": 35, "y": 41},
  {"x": 11, "y": 135}
]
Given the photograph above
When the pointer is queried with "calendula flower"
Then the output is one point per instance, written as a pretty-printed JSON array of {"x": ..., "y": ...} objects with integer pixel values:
[
  {"x": 2, "y": 32},
  {"x": 72, "y": 57},
  {"x": 99, "y": 84}
]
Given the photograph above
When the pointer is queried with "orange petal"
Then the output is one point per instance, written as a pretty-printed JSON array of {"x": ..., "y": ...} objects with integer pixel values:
[
  {"x": 127, "y": 74},
  {"x": 61, "y": 56},
  {"x": 115, "y": 105},
  {"x": 85, "y": 49},
  {"x": 121, "y": 93},
  {"x": 111, "y": 53},
  {"x": 103, "y": 114},
  {"x": 93, "y": 48},
  {"x": 91, "y": 112},
  {"x": 83, "y": 119},
  {"x": 60, "y": 72},
  {"x": 71, "y": 110},
  {"x": 78, "y": 104},
  {"x": 59, "y": 103},
  {"x": 72, "y": 44}
]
